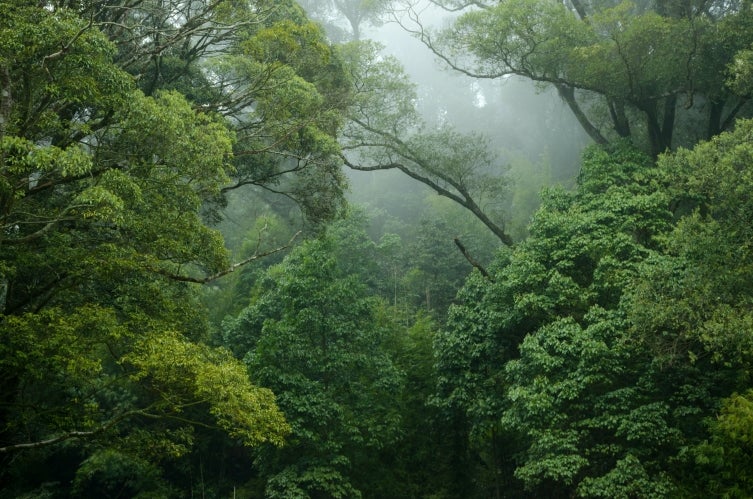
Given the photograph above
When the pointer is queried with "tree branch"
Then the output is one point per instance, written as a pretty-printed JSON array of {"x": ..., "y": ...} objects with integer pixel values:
[
  {"x": 727, "y": 122},
  {"x": 460, "y": 6},
  {"x": 69, "y": 435},
  {"x": 229, "y": 270},
  {"x": 466, "y": 201},
  {"x": 471, "y": 260},
  {"x": 49, "y": 441},
  {"x": 65, "y": 48}
]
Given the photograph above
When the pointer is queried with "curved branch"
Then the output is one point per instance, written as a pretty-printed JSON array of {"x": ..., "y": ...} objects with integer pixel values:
[
  {"x": 70, "y": 435},
  {"x": 460, "y": 7},
  {"x": 49, "y": 441},
  {"x": 399, "y": 147},
  {"x": 466, "y": 201}
]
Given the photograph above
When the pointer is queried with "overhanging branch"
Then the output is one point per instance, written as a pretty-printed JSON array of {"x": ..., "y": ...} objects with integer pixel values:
[{"x": 466, "y": 201}]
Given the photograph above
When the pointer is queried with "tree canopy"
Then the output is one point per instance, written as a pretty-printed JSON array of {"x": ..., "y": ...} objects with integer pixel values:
[
  {"x": 653, "y": 72},
  {"x": 597, "y": 353},
  {"x": 122, "y": 125},
  {"x": 189, "y": 306}
]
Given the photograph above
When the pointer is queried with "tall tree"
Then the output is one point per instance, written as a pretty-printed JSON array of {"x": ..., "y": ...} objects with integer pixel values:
[
  {"x": 115, "y": 137},
  {"x": 594, "y": 363},
  {"x": 384, "y": 131},
  {"x": 652, "y": 72},
  {"x": 581, "y": 249},
  {"x": 313, "y": 336},
  {"x": 692, "y": 304},
  {"x": 262, "y": 65}
]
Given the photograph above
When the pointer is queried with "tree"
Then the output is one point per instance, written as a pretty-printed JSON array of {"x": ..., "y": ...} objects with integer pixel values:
[
  {"x": 312, "y": 335},
  {"x": 103, "y": 191},
  {"x": 698, "y": 294},
  {"x": 436, "y": 267},
  {"x": 384, "y": 132},
  {"x": 262, "y": 65},
  {"x": 355, "y": 12},
  {"x": 692, "y": 304},
  {"x": 621, "y": 331},
  {"x": 581, "y": 250},
  {"x": 725, "y": 458},
  {"x": 651, "y": 73}
]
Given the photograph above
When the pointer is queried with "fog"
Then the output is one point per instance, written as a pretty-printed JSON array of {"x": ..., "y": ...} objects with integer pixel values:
[{"x": 534, "y": 136}]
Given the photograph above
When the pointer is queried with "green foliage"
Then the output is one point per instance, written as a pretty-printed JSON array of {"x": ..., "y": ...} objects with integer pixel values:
[
  {"x": 591, "y": 413},
  {"x": 311, "y": 337},
  {"x": 608, "y": 355},
  {"x": 284, "y": 89},
  {"x": 585, "y": 408},
  {"x": 726, "y": 457},
  {"x": 628, "y": 68},
  {"x": 109, "y": 473},
  {"x": 194, "y": 373},
  {"x": 624, "y": 68},
  {"x": 437, "y": 268},
  {"x": 385, "y": 94},
  {"x": 536, "y": 35},
  {"x": 741, "y": 70},
  {"x": 107, "y": 385},
  {"x": 692, "y": 304},
  {"x": 699, "y": 292}
]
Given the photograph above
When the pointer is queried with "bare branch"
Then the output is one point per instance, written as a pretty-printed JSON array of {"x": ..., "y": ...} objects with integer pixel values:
[
  {"x": 50, "y": 441},
  {"x": 229, "y": 270},
  {"x": 471, "y": 260},
  {"x": 70, "y": 435}
]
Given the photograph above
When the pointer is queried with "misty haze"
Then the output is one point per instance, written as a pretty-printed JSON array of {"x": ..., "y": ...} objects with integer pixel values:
[{"x": 376, "y": 249}]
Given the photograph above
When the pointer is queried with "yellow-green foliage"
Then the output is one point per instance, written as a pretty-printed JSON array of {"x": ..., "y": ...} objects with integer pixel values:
[{"x": 189, "y": 373}]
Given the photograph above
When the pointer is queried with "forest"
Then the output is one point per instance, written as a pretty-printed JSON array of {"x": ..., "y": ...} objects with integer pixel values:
[{"x": 424, "y": 249}]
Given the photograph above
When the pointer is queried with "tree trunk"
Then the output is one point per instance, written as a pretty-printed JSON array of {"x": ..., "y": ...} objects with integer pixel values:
[
  {"x": 568, "y": 95},
  {"x": 656, "y": 138},
  {"x": 619, "y": 119},
  {"x": 668, "y": 121}
]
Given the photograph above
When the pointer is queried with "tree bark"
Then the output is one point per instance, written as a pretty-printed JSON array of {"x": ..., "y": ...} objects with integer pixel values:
[
  {"x": 579, "y": 9},
  {"x": 619, "y": 119},
  {"x": 668, "y": 121},
  {"x": 470, "y": 259},
  {"x": 568, "y": 95},
  {"x": 655, "y": 140},
  {"x": 715, "y": 118}
]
